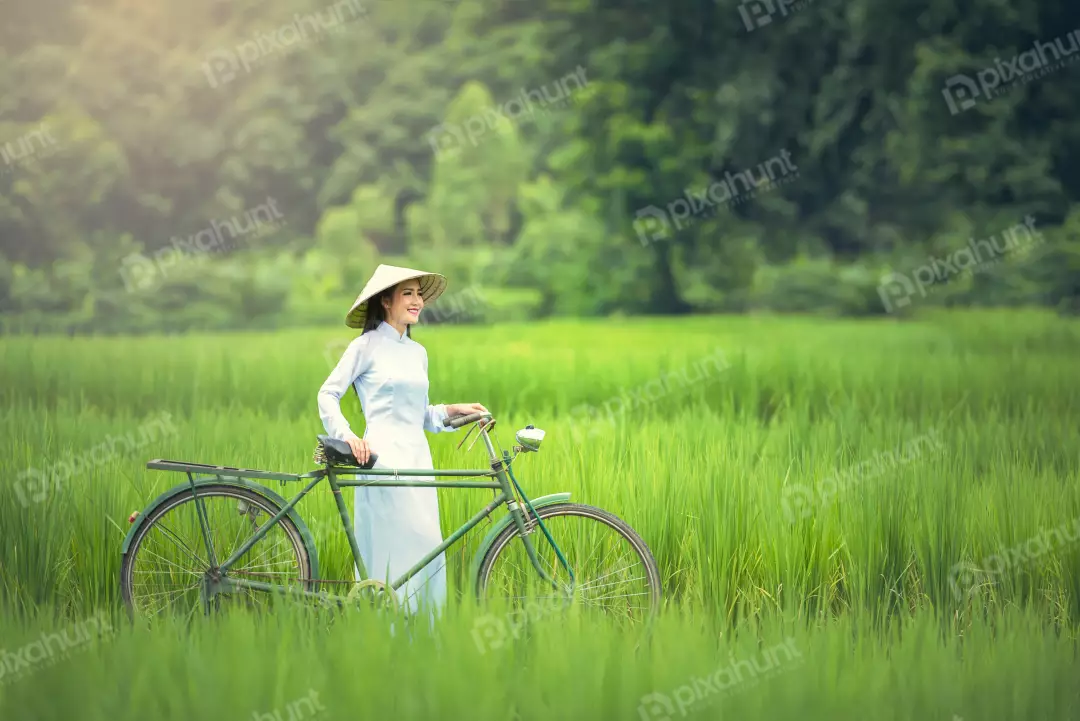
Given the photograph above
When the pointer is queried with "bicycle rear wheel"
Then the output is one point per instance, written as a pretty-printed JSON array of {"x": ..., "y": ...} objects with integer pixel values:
[
  {"x": 614, "y": 571},
  {"x": 168, "y": 559}
]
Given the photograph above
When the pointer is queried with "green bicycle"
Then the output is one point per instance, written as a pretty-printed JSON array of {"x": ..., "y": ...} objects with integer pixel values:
[{"x": 221, "y": 538}]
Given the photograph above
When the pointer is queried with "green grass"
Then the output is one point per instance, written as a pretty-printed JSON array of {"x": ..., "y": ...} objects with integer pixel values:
[
  {"x": 985, "y": 402},
  {"x": 241, "y": 668}
]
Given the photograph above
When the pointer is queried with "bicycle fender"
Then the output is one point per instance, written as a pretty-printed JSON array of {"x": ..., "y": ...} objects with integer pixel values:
[
  {"x": 267, "y": 493},
  {"x": 505, "y": 521}
]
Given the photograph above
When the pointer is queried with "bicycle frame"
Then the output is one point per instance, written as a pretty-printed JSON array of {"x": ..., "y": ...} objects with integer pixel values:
[{"x": 344, "y": 477}]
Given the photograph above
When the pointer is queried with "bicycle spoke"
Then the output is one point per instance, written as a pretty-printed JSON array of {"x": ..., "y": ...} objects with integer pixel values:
[
  {"x": 610, "y": 574},
  {"x": 171, "y": 596},
  {"x": 180, "y": 544},
  {"x": 624, "y": 595},
  {"x": 175, "y": 565},
  {"x": 593, "y": 587},
  {"x": 160, "y": 579},
  {"x": 591, "y": 584},
  {"x": 271, "y": 561},
  {"x": 247, "y": 572},
  {"x": 238, "y": 538}
]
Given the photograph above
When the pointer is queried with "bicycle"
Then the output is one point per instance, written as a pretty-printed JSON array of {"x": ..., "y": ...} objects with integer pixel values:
[{"x": 203, "y": 570}]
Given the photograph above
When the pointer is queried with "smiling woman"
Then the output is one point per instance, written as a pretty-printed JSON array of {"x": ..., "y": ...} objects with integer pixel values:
[{"x": 395, "y": 527}]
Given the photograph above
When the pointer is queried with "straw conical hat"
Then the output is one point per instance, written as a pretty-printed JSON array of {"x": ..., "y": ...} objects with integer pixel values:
[{"x": 387, "y": 276}]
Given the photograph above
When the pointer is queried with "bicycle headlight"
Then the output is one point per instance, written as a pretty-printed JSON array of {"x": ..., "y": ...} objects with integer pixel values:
[{"x": 530, "y": 438}]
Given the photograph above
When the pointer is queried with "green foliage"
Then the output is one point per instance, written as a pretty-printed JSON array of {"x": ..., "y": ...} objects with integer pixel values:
[
  {"x": 515, "y": 145},
  {"x": 565, "y": 254},
  {"x": 475, "y": 177},
  {"x": 817, "y": 284}
]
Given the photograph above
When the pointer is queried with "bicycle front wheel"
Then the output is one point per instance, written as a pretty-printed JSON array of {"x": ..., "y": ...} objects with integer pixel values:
[
  {"x": 168, "y": 560},
  {"x": 614, "y": 572}
]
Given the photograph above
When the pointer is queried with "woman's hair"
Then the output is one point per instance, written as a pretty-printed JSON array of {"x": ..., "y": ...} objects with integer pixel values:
[{"x": 376, "y": 314}]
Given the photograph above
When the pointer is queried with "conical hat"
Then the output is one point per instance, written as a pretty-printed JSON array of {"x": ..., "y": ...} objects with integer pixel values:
[{"x": 387, "y": 276}]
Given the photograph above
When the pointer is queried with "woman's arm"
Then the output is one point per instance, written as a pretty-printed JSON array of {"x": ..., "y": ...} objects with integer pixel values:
[
  {"x": 434, "y": 417},
  {"x": 352, "y": 365},
  {"x": 435, "y": 414}
]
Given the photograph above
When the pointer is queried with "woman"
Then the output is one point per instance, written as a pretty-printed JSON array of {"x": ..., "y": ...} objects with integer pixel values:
[{"x": 395, "y": 527}]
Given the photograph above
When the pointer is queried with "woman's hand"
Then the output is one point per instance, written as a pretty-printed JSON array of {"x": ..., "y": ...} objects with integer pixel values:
[
  {"x": 464, "y": 409},
  {"x": 360, "y": 449}
]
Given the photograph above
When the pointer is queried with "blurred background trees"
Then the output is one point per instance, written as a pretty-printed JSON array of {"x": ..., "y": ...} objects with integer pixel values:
[{"x": 512, "y": 145}]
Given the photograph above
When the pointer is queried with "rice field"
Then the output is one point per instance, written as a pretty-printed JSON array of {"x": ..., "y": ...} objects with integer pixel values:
[{"x": 851, "y": 518}]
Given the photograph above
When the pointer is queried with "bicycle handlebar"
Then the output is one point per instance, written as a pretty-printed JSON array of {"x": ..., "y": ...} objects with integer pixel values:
[{"x": 459, "y": 421}]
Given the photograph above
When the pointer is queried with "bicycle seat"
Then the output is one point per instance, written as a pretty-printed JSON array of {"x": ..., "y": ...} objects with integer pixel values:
[{"x": 338, "y": 453}]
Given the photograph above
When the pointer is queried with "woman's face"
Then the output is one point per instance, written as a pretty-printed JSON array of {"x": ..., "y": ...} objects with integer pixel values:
[{"x": 405, "y": 303}]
